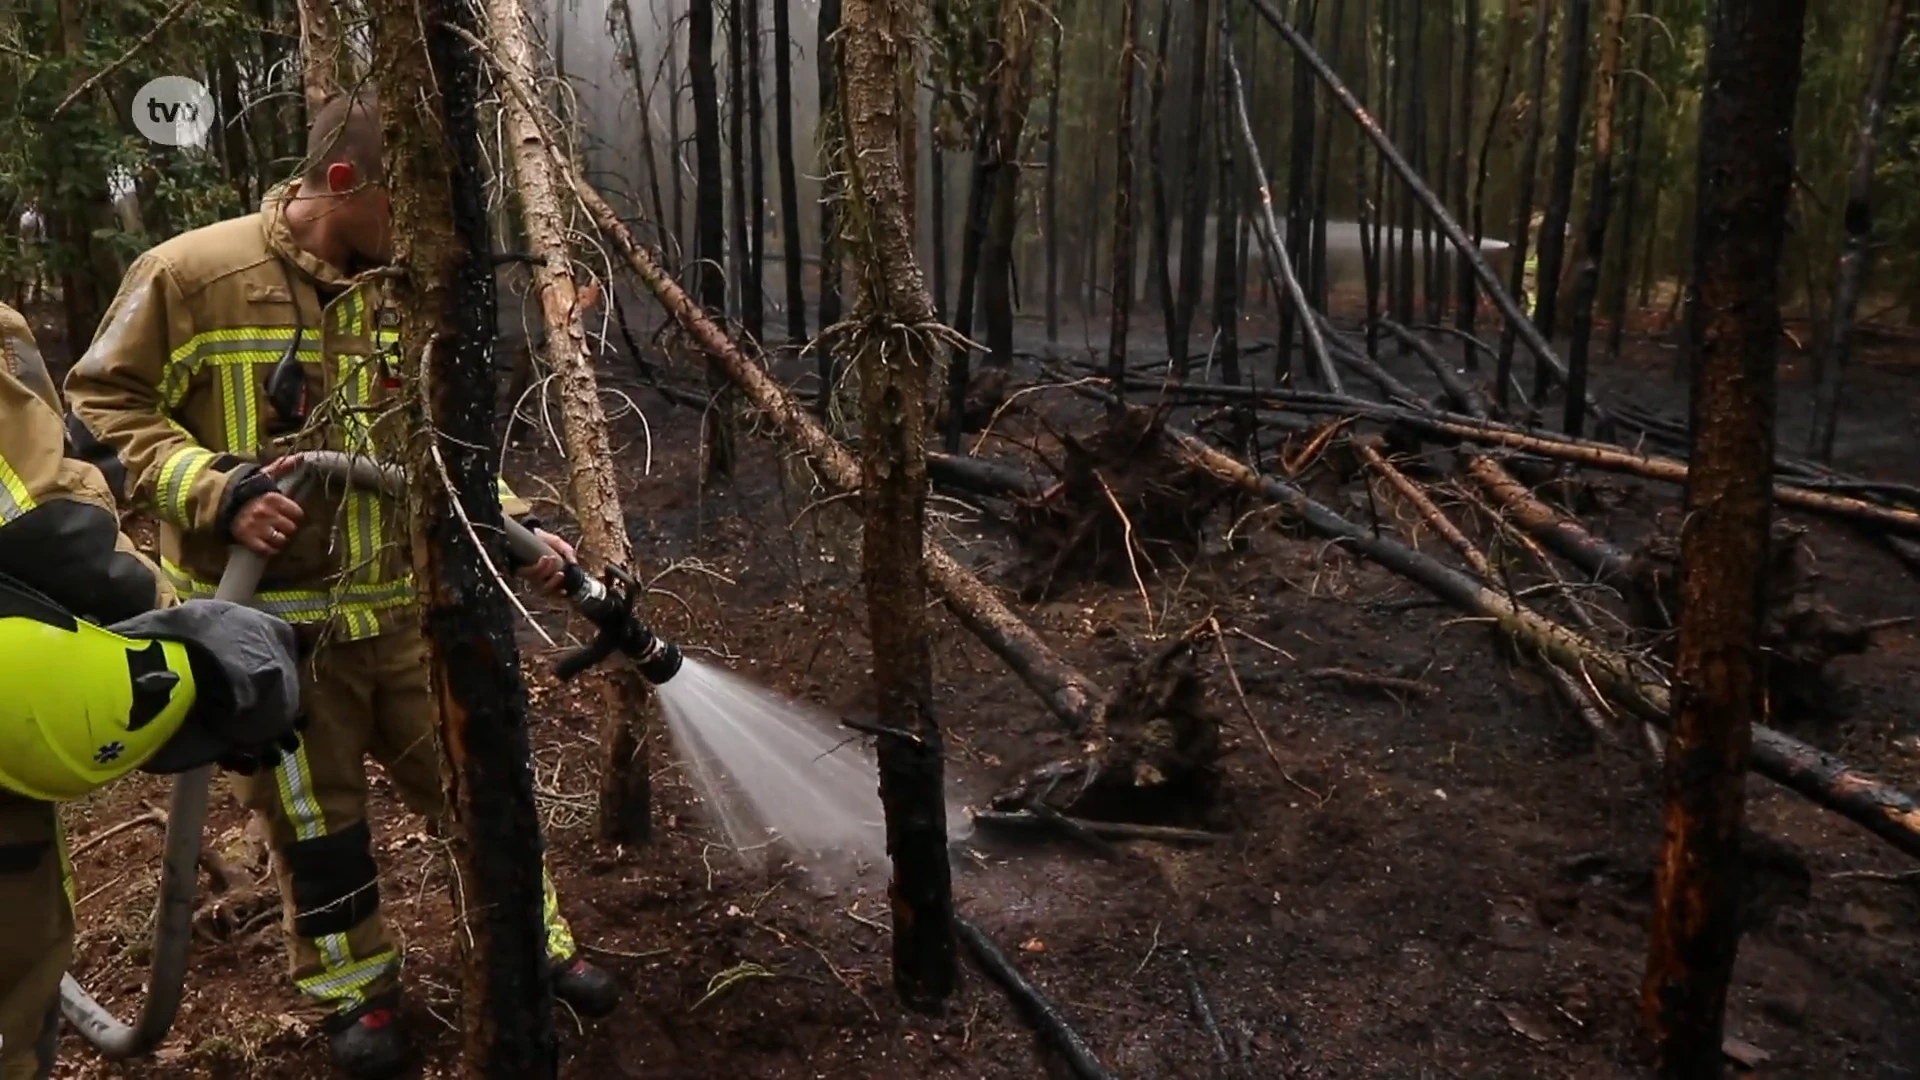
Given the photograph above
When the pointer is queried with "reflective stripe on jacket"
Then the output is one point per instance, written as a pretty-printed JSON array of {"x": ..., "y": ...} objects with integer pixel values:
[
  {"x": 59, "y": 527},
  {"x": 176, "y": 383}
]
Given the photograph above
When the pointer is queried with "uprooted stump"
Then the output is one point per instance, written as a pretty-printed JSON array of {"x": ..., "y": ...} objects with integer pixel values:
[
  {"x": 1123, "y": 506},
  {"x": 1803, "y": 634},
  {"x": 1152, "y": 757}
]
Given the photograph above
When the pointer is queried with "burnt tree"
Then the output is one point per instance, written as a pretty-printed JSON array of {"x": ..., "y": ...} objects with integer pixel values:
[
  {"x": 830, "y": 195},
  {"x": 709, "y": 218},
  {"x": 1011, "y": 94},
  {"x": 896, "y": 356},
  {"x": 1746, "y": 168},
  {"x": 444, "y": 286},
  {"x": 789, "y": 178},
  {"x": 1523, "y": 203},
  {"x": 1566, "y": 160},
  {"x": 1123, "y": 211},
  {"x": 1051, "y": 192},
  {"x": 752, "y": 297},
  {"x": 1831, "y": 359},
  {"x": 1586, "y": 283},
  {"x": 1193, "y": 218}
]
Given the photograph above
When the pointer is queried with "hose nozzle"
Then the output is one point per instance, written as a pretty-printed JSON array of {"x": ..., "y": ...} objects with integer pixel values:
[{"x": 658, "y": 659}]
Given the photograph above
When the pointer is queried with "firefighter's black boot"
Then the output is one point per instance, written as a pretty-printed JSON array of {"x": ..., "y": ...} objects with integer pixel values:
[
  {"x": 590, "y": 991},
  {"x": 367, "y": 1042}
]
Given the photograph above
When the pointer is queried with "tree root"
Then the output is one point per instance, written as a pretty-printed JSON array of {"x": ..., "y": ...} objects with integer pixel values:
[{"x": 1033, "y": 1006}]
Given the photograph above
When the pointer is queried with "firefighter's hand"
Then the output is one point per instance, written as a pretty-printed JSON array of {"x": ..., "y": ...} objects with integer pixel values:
[
  {"x": 266, "y": 523},
  {"x": 550, "y": 573}
]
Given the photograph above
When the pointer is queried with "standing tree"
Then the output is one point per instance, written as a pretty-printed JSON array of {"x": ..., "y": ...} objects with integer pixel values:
[
  {"x": 789, "y": 180},
  {"x": 895, "y": 349},
  {"x": 1123, "y": 211},
  {"x": 1831, "y": 360},
  {"x": 443, "y": 284},
  {"x": 716, "y": 442},
  {"x": 1523, "y": 204},
  {"x": 1586, "y": 285},
  {"x": 1746, "y": 175},
  {"x": 1566, "y": 161}
]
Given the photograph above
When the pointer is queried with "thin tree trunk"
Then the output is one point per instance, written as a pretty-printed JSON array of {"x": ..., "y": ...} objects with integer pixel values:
[
  {"x": 1523, "y": 204},
  {"x": 1158, "y": 239},
  {"x": 832, "y": 191},
  {"x": 1226, "y": 254},
  {"x": 1299, "y": 243},
  {"x": 1012, "y": 93},
  {"x": 1616, "y": 305},
  {"x": 979, "y": 202},
  {"x": 937, "y": 159},
  {"x": 1566, "y": 158},
  {"x": 445, "y": 292},
  {"x": 675, "y": 80},
  {"x": 1123, "y": 211},
  {"x": 1317, "y": 284},
  {"x": 624, "y": 813},
  {"x": 1586, "y": 284},
  {"x": 1438, "y": 264},
  {"x": 1408, "y": 91},
  {"x": 1051, "y": 196},
  {"x": 738, "y": 245},
  {"x": 1193, "y": 219},
  {"x": 894, "y": 370},
  {"x": 1469, "y": 203},
  {"x": 1856, "y": 248},
  {"x": 233, "y": 137},
  {"x": 716, "y": 443},
  {"x": 647, "y": 162},
  {"x": 789, "y": 178},
  {"x": 753, "y": 296},
  {"x": 1378, "y": 264},
  {"x": 1746, "y": 175}
]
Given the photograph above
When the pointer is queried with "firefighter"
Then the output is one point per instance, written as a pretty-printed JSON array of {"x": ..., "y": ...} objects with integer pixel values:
[
  {"x": 228, "y": 348},
  {"x": 167, "y": 688}
]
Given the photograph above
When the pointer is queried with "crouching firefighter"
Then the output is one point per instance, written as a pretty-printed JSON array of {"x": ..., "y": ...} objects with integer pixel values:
[
  {"x": 228, "y": 351},
  {"x": 102, "y": 672}
]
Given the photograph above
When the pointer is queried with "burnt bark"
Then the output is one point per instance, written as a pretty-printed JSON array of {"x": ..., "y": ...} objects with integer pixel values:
[
  {"x": 1012, "y": 92},
  {"x": 753, "y": 297},
  {"x": 1159, "y": 238},
  {"x": 789, "y": 178},
  {"x": 1616, "y": 302},
  {"x": 1123, "y": 213},
  {"x": 832, "y": 191},
  {"x": 895, "y": 355},
  {"x": 625, "y": 789},
  {"x": 1586, "y": 284},
  {"x": 1468, "y": 201},
  {"x": 716, "y": 443},
  {"x": 1226, "y": 254},
  {"x": 1193, "y": 218},
  {"x": 1746, "y": 171},
  {"x": 1566, "y": 159},
  {"x": 973, "y": 244},
  {"x": 1857, "y": 247},
  {"x": 444, "y": 287},
  {"x": 649, "y": 164},
  {"x": 675, "y": 80},
  {"x": 1523, "y": 203},
  {"x": 1299, "y": 174},
  {"x": 1051, "y": 195}
]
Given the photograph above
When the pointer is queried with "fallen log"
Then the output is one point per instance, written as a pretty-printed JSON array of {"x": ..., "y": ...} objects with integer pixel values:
[
  {"x": 1821, "y": 777},
  {"x": 1071, "y": 696},
  {"x": 1027, "y": 821},
  {"x": 983, "y": 477}
]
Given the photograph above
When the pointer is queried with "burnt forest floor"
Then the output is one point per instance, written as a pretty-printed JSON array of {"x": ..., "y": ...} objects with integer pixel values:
[{"x": 1455, "y": 883}]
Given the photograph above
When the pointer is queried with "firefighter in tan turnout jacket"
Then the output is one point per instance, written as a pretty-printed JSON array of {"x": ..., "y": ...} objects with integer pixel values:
[{"x": 179, "y": 383}]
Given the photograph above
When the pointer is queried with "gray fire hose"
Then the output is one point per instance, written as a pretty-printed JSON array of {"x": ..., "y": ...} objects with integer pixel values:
[{"x": 187, "y": 813}]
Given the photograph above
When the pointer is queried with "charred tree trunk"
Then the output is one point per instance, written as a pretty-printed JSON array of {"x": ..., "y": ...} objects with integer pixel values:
[
  {"x": 1586, "y": 285},
  {"x": 1299, "y": 172},
  {"x": 1012, "y": 92},
  {"x": 1616, "y": 304},
  {"x": 1746, "y": 175},
  {"x": 445, "y": 291},
  {"x": 789, "y": 178},
  {"x": 1317, "y": 285},
  {"x": 738, "y": 244},
  {"x": 1856, "y": 248},
  {"x": 895, "y": 356},
  {"x": 1375, "y": 206},
  {"x": 1408, "y": 91},
  {"x": 753, "y": 302},
  {"x": 716, "y": 443},
  {"x": 1523, "y": 204},
  {"x": 1052, "y": 193},
  {"x": 1469, "y": 203},
  {"x": 973, "y": 245},
  {"x": 625, "y": 788},
  {"x": 1193, "y": 218},
  {"x": 1159, "y": 239},
  {"x": 1123, "y": 211},
  {"x": 675, "y": 81},
  {"x": 1566, "y": 159},
  {"x": 1437, "y": 262},
  {"x": 832, "y": 191},
  {"x": 1226, "y": 254}
]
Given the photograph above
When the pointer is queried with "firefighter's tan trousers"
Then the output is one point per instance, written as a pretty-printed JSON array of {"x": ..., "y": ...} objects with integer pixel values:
[
  {"x": 36, "y": 903},
  {"x": 365, "y": 697}
]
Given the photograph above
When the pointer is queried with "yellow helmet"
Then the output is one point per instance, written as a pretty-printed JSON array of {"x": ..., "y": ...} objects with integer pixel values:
[{"x": 80, "y": 706}]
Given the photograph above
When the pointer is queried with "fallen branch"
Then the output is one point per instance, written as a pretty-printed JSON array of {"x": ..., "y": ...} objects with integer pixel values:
[
  {"x": 1033, "y": 1005},
  {"x": 1026, "y": 821}
]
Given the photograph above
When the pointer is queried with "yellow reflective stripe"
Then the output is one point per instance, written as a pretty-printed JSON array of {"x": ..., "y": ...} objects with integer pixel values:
[
  {"x": 235, "y": 345},
  {"x": 345, "y": 984},
  {"x": 15, "y": 499},
  {"x": 354, "y": 602},
  {"x": 177, "y": 476},
  {"x": 559, "y": 936},
  {"x": 293, "y": 776}
]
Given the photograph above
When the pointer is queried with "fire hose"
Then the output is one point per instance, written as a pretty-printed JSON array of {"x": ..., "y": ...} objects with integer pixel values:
[{"x": 607, "y": 604}]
